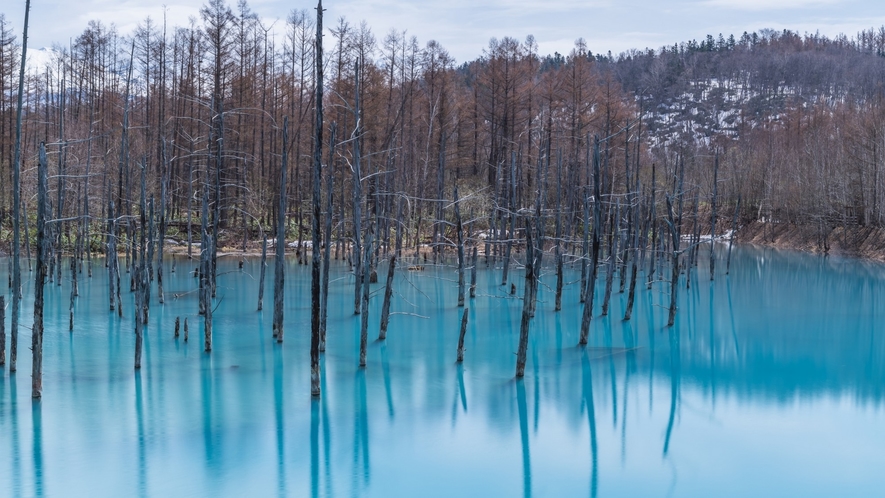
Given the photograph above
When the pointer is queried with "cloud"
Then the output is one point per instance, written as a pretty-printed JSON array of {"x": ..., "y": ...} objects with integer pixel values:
[{"x": 766, "y": 5}]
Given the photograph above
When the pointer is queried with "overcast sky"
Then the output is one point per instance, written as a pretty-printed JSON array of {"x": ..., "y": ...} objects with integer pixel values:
[{"x": 464, "y": 27}]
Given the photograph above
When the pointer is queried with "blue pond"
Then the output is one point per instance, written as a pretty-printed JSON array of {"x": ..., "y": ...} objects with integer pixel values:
[{"x": 771, "y": 383}]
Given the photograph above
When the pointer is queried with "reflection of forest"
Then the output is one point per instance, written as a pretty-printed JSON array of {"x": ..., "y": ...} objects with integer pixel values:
[{"x": 781, "y": 327}]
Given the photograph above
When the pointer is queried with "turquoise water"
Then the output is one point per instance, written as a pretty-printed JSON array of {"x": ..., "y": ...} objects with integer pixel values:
[{"x": 770, "y": 384}]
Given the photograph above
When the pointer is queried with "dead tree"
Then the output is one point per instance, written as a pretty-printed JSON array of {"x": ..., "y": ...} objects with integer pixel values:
[
  {"x": 461, "y": 335},
  {"x": 525, "y": 321},
  {"x": 39, "y": 278},
  {"x": 511, "y": 212},
  {"x": 473, "y": 272},
  {"x": 558, "y": 248},
  {"x": 357, "y": 194},
  {"x": 585, "y": 248},
  {"x": 207, "y": 317},
  {"x": 364, "y": 328},
  {"x": 317, "y": 214},
  {"x": 16, "y": 202},
  {"x": 614, "y": 238},
  {"x": 734, "y": 224},
  {"x": 327, "y": 236},
  {"x": 634, "y": 261},
  {"x": 2, "y": 330},
  {"x": 652, "y": 217},
  {"x": 262, "y": 272},
  {"x": 590, "y": 292},
  {"x": 460, "y": 231},
  {"x": 164, "y": 180},
  {"x": 713, "y": 216},
  {"x": 112, "y": 255},
  {"x": 279, "y": 275},
  {"x": 674, "y": 274},
  {"x": 388, "y": 294}
]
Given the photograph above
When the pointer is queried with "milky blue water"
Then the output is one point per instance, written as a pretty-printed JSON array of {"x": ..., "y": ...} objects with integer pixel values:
[{"x": 770, "y": 384}]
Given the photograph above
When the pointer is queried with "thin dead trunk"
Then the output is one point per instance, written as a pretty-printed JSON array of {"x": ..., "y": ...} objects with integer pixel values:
[
  {"x": 327, "y": 247},
  {"x": 713, "y": 217},
  {"x": 612, "y": 258},
  {"x": 525, "y": 320},
  {"x": 279, "y": 274},
  {"x": 734, "y": 222},
  {"x": 364, "y": 329},
  {"x": 357, "y": 195},
  {"x": 558, "y": 250},
  {"x": 473, "y": 272},
  {"x": 388, "y": 293},
  {"x": 594, "y": 262},
  {"x": 262, "y": 272},
  {"x": 674, "y": 274},
  {"x": 634, "y": 261},
  {"x": 39, "y": 279},
  {"x": 16, "y": 202},
  {"x": 162, "y": 238},
  {"x": 2, "y": 330},
  {"x": 460, "y": 231},
  {"x": 461, "y": 335},
  {"x": 317, "y": 214}
]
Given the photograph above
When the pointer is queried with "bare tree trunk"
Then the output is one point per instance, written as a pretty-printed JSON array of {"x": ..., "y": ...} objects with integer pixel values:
[
  {"x": 460, "y": 230},
  {"x": 364, "y": 329},
  {"x": 27, "y": 236},
  {"x": 113, "y": 261},
  {"x": 39, "y": 279},
  {"x": 388, "y": 293},
  {"x": 585, "y": 249},
  {"x": 558, "y": 250},
  {"x": 262, "y": 272},
  {"x": 279, "y": 277},
  {"x": 161, "y": 241},
  {"x": 139, "y": 268},
  {"x": 16, "y": 203},
  {"x": 525, "y": 321},
  {"x": 612, "y": 258},
  {"x": 713, "y": 217},
  {"x": 652, "y": 216},
  {"x": 473, "y": 272},
  {"x": 204, "y": 249},
  {"x": 357, "y": 195},
  {"x": 327, "y": 248},
  {"x": 510, "y": 208},
  {"x": 734, "y": 224},
  {"x": 634, "y": 261},
  {"x": 207, "y": 318},
  {"x": 190, "y": 189},
  {"x": 674, "y": 275},
  {"x": 149, "y": 260},
  {"x": 317, "y": 214},
  {"x": 2, "y": 330},
  {"x": 594, "y": 262},
  {"x": 461, "y": 335}
]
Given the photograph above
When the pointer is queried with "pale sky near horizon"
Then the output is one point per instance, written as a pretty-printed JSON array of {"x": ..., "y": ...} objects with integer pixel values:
[{"x": 464, "y": 27}]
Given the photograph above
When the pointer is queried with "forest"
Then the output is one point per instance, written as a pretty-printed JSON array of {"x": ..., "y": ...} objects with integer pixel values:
[{"x": 220, "y": 137}]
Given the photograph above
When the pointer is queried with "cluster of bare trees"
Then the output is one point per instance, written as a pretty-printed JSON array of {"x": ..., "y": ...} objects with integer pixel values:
[{"x": 387, "y": 151}]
